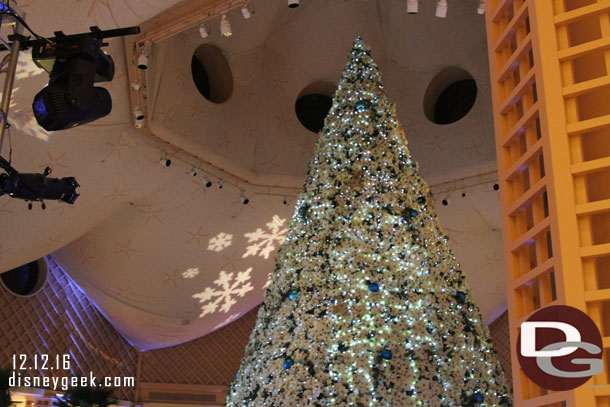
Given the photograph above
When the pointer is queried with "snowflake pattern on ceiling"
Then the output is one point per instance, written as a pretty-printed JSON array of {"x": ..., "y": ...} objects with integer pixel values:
[
  {"x": 220, "y": 242},
  {"x": 268, "y": 283},
  {"x": 264, "y": 242},
  {"x": 224, "y": 295},
  {"x": 190, "y": 273}
]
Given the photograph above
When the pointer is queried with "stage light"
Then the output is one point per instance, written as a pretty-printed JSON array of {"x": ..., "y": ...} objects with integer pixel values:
[
  {"x": 204, "y": 30},
  {"x": 70, "y": 99},
  {"x": 293, "y": 3},
  {"x": 192, "y": 172},
  {"x": 441, "y": 8},
  {"x": 481, "y": 9},
  {"x": 245, "y": 11},
  {"x": 36, "y": 187},
  {"x": 244, "y": 199},
  {"x": 220, "y": 184},
  {"x": 225, "y": 26},
  {"x": 412, "y": 6},
  {"x": 207, "y": 182}
]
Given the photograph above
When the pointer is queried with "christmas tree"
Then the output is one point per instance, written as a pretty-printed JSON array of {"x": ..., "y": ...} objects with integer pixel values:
[{"x": 367, "y": 305}]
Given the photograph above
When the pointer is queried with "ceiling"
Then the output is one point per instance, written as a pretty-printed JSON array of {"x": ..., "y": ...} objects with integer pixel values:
[{"x": 143, "y": 239}]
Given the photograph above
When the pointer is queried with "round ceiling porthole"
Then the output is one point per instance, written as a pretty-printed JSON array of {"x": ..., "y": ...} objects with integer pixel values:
[
  {"x": 212, "y": 74},
  {"x": 26, "y": 280},
  {"x": 313, "y": 103},
  {"x": 450, "y": 96}
]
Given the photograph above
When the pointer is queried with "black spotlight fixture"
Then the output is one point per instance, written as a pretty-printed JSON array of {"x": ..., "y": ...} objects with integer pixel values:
[
  {"x": 75, "y": 63},
  {"x": 70, "y": 99},
  {"x": 36, "y": 187}
]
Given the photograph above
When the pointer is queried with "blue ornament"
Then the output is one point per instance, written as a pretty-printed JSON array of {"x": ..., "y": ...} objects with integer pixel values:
[
  {"x": 288, "y": 363},
  {"x": 461, "y": 296},
  {"x": 386, "y": 354},
  {"x": 360, "y": 106},
  {"x": 409, "y": 213},
  {"x": 373, "y": 287},
  {"x": 478, "y": 397},
  {"x": 293, "y": 294}
]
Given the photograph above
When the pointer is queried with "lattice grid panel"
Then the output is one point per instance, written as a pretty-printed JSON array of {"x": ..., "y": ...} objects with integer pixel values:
[
  {"x": 550, "y": 70},
  {"x": 212, "y": 359},
  {"x": 500, "y": 334},
  {"x": 61, "y": 320}
]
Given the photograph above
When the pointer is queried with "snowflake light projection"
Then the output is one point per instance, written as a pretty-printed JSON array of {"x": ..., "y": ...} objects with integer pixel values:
[
  {"x": 220, "y": 242},
  {"x": 227, "y": 290},
  {"x": 23, "y": 119},
  {"x": 268, "y": 283},
  {"x": 190, "y": 273},
  {"x": 263, "y": 243},
  {"x": 226, "y": 321}
]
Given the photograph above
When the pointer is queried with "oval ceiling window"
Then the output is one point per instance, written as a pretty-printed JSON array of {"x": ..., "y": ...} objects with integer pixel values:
[
  {"x": 26, "y": 280},
  {"x": 212, "y": 74},
  {"x": 313, "y": 103},
  {"x": 450, "y": 96}
]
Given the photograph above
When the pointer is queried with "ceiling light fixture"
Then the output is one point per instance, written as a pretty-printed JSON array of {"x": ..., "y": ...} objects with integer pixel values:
[
  {"x": 412, "y": 6},
  {"x": 139, "y": 123},
  {"x": 441, "y": 8},
  {"x": 293, "y": 3},
  {"x": 225, "y": 26},
  {"x": 246, "y": 12},
  {"x": 481, "y": 9},
  {"x": 166, "y": 162},
  {"x": 142, "y": 61},
  {"x": 138, "y": 113},
  {"x": 204, "y": 30}
]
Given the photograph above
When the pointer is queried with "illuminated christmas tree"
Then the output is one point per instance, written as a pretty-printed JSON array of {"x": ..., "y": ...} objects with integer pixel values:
[{"x": 367, "y": 305}]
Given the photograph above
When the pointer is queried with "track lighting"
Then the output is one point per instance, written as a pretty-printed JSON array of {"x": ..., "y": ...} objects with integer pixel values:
[
  {"x": 293, "y": 3},
  {"x": 204, "y": 30},
  {"x": 225, "y": 26},
  {"x": 441, "y": 8},
  {"x": 244, "y": 199},
  {"x": 481, "y": 9},
  {"x": 207, "y": 182},
  {"x": 142, "y": 61},
  {"x": 412, "y": 6},
  {"x": 138, "y": 113},
  {"x": 166, "y": 162},
  {"x": 245, "y": 11},
  {"x": 192, "y": 172}
]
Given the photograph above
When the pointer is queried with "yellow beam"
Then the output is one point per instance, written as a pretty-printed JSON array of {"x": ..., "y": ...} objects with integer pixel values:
[{"x": 583, "y": 12}]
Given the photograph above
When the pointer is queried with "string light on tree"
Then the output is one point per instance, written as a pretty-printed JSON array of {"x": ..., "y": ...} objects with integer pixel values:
[{"x": 367, "y": 305}]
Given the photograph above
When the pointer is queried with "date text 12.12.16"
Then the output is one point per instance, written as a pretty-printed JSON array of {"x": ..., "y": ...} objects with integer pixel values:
[{"x": 41, "y": 362}]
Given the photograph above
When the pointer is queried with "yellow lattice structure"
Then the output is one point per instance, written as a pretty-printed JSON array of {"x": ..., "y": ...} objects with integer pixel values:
[{"x": 550, "y": 75}]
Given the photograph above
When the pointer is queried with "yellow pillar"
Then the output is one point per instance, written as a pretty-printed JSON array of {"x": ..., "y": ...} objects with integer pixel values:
[{"x": 549, "y": 66}]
